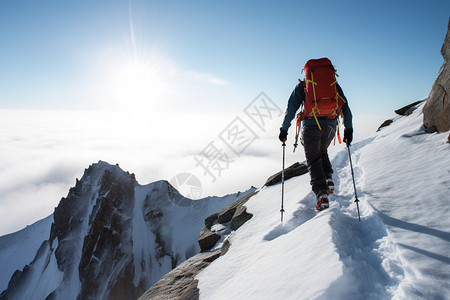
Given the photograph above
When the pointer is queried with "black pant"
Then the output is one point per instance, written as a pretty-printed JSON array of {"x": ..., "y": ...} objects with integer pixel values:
[{"x": 315, "y": 143}]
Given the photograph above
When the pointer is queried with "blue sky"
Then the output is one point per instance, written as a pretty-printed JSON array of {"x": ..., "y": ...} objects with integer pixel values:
[{"x": 57, "y": 54}]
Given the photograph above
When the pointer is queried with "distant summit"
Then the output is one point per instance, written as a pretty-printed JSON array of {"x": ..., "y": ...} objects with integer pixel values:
[{"x": 110, "y": 238}]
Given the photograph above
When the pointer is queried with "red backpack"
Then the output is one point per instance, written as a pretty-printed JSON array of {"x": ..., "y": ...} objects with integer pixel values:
[{"x": 322, "y": 97}]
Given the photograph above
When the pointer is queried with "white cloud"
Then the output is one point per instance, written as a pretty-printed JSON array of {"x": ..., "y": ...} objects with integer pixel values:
[
  {"x": 44, "y": 151},
  {"x": 206, "y": 78}
]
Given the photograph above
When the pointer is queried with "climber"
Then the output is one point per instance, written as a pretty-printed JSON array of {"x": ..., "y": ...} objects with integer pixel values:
[{"x": 322, "y": 101}]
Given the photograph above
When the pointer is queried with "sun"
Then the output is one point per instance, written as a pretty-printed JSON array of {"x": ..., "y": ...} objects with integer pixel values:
[{"x": 139, "y": 85}]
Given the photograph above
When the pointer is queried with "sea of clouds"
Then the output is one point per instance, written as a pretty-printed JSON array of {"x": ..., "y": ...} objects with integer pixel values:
[{"x": 42, "y": 152}]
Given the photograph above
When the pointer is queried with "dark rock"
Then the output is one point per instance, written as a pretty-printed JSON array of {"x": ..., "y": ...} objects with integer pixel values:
[
  {"x": 180, "y": 283},
  {"x": 225, "y": 247},
  {"x": 207, "y": 239},
  {"x": 385, "y": 124},
  {"x": 404, "y": 111},
  {"x": 408, "y": 109},
  {"x": 240, "y": 217},
  {"x": 235, "y": 212},
  {"x": 226, "y": 215},
  {"x": 104, "y": 245},
  {"x": 436, "y": 111},
  {"x": 209, "y": 221},
  {"x": 431, "y": 129},
  {"x": 192, "y": 292},
  {"x": 296, "y": 169}
]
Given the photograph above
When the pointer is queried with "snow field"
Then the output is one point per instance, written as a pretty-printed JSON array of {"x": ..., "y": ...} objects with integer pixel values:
[
  {"x": 399, "y": 250},
  {"x": 327, "y": 255}
]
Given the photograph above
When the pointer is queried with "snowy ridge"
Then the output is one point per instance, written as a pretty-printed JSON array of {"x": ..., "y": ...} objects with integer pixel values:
[
  {"x": 109, "y": 236},
  {"x": 19, "y": 248},
  {"x": 400, "y": 250}
]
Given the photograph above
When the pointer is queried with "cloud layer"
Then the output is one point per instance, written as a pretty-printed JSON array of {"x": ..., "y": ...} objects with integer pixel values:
[{"x": 44, "y": 151}]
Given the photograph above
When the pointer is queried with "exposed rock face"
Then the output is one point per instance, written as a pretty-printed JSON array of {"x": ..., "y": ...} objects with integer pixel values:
[
  {"x": 232, "y": 216},
  {"x": 404, "y": 111},
  {"x": 385, "y": 124},
  {"x": 296, "y": 169},
  {"x": 180, "y": 283},
  {"x": 94, "y": 223},
  {"x": 108, "y": 243},
  {"x": 208, "y": 239},
  {"x": 436, "y": 112},
  {"x": 408, "y": 109},
  {"x": 112, "y": 238}
]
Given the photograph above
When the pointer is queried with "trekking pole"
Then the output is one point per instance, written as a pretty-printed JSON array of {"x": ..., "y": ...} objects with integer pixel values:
[
  {"x": 354, "y": 185},
  {"x": 282, "y": 183}
]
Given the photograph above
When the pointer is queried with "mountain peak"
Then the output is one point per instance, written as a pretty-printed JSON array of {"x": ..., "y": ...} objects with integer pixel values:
[{"x": 109, "y": 236}]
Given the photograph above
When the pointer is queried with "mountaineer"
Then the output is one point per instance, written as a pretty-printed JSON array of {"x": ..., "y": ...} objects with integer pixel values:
[{"x": 321, "y": 101}]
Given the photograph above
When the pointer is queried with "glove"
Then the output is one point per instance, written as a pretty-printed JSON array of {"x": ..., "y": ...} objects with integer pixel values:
[
  {"x": 283, "y": 135},
  {"x": 348, "y": 136}
]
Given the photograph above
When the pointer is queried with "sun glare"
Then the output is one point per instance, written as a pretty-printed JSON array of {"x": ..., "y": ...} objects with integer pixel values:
[{"x": 137, "y": 86}]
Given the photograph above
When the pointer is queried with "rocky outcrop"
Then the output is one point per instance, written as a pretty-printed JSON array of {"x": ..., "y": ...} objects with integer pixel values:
[
  {"x": 229, "y": 218},
  {"x": 385, "y": 124},
  {"x": 404, "y": 111},
  {"x": 296, "y": 169},
  {"x": 108, "y": 242},
  {"x": 90, "y": 238},
  {"x": 408, "y": 109},
  {"x": 180, "y": 283},
  {"x": 436, "y": 112},
  {"x": 208, "y": 238}
]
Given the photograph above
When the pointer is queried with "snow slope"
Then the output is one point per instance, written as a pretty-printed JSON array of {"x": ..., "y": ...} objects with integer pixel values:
[
  {"x": 399, "y": 250},
  {"x": 19, "y": 248}
]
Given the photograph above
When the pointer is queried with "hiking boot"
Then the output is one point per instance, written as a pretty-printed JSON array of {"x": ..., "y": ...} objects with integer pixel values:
[
  {"x": 330, "y": 184},
  {"x": 322, "y": 202}
]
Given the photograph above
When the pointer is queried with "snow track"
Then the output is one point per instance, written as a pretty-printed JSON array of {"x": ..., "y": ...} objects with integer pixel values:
[
  {"x": 399, "y": 250},
  {"x": 358, "y": 243}
]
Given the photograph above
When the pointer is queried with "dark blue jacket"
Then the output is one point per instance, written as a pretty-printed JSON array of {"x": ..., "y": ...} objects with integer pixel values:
[{"x": 296, "y": 100}]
